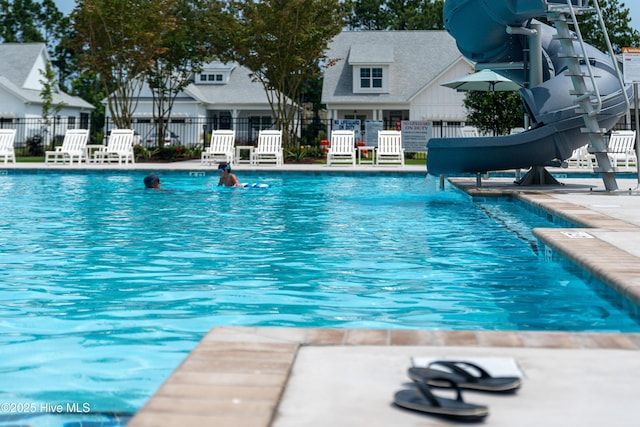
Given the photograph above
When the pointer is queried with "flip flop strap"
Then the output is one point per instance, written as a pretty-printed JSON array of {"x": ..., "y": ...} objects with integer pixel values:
[
  {"x": 426, "y": 391},
  {"x": 455, "y": 367}
]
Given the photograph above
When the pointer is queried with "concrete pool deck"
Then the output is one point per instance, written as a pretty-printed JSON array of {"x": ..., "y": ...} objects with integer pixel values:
[{"x": 281, "y": 377}]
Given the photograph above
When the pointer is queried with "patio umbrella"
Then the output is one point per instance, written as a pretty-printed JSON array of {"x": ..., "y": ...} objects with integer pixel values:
[{"x": 484, "y": 81}]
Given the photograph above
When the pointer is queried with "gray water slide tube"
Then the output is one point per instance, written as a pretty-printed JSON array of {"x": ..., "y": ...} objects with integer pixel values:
[{"x": 479, "y": 27}]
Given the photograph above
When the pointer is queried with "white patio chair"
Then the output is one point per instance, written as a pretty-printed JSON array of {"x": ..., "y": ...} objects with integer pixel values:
[
  {"x": 343, "y": 147},
  {"x": 580, "y": 158},
  {"x": 269, "y": 149},
  {"x": 119, "y": 147},
  {"x": 7, "y": 138},
  {"x": 221, "y": 148},
  {"x": 390, "y": 149},
  {"x": 74, "y": 146},
  {"x": 621, "y": 148},
  {"x": 468, "y": 132}
]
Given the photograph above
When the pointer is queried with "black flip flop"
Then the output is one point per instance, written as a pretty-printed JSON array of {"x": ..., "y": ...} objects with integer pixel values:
[
  {"x": 421, "y": 399},
  {"x": 468, "y": 376}
]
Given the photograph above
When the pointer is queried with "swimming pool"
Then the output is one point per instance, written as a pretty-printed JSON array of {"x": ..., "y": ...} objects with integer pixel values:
[{"x": 105, "y": 287}]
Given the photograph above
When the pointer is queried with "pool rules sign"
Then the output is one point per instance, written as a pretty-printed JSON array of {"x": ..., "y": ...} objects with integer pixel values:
[
  {"x": 631, "y": 61},
  {"x": 631, "y": 71}
]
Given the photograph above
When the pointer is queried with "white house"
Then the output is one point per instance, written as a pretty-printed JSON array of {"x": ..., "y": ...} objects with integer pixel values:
[
  {"x": 21, "y": 68},
  {"x": 394, "y": 76},
  {"x": 376, "y": 75},
  {"x": 222, "y": 96}
]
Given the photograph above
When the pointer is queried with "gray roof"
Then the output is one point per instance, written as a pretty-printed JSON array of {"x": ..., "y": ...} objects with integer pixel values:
[
  {"x": 239, "y": 90},
  {"x": 17, "y": 61},
  {"x": 417, "y": 58},
  {"x": 370, "y": 54}
]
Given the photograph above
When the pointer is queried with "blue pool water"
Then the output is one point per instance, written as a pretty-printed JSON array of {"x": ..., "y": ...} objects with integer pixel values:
[{"x": 105, "y": 287}]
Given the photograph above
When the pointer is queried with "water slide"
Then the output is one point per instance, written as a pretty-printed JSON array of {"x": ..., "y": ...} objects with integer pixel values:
[{"x": 496, "y": 34}]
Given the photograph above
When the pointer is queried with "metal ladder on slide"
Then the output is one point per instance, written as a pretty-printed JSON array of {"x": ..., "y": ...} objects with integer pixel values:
[{"x": 588, "y": 99}]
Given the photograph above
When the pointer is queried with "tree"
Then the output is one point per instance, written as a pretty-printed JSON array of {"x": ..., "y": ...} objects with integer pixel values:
[
  {"x": 368, "y": 15},
  {"x": 49, "y": 87},
  {"x": 395, "y": 14},
  {"x": 20, "y": 21},
  {"x": 89, "y": 87},
  {"x": 617, "y": 20},
  {"x": 494, "y": 112},
  {"x": 416, "y": 14},
  {"x": 65, "y": 58},
  {"x": 119, "y": 40},
  {"x": 184, "y": 47},
  {"x": 282, "y": 43}
]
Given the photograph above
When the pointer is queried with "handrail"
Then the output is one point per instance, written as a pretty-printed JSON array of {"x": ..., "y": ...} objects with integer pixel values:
[
  {"x": 596, "y": 92},
  {"x": 611, "y": 53}
]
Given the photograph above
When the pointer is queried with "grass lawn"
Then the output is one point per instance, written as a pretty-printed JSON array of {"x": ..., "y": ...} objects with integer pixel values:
[
  {"x": 418, "y": 162},
  {"x": 30, "y": 159}
]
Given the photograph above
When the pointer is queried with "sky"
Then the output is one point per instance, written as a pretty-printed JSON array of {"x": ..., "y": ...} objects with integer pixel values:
[{"x": 65, "y": 6}]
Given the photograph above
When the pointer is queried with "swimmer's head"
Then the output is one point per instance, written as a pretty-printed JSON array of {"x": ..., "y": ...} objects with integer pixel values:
[
  {"x": 224, "y": 166},
  {"x": 152, "y": 181}
]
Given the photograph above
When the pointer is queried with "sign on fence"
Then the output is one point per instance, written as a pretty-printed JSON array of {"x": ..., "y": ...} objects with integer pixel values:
[
  {"x": 415, "y": 134},
  {"x": 631, "y": 61},
  {"x": 371, "y": 128},
  {"x": 347, "y": 124}
]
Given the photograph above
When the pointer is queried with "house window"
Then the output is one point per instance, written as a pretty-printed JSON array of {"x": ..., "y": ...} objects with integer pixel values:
[
  {"x": 371, "y": 78},
  {"x": 261, "y": 122},
  {"x": 71, "y": 123},
  {"x": 84, "y": 120},
  {"x": 213, "y": 78}
]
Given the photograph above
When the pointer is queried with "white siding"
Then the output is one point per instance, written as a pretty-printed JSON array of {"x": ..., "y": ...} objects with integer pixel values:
[
  {"x": 33, "y": 78},
  {"x": 437, "y": 102},
  {"x": 12, "y": 106}
]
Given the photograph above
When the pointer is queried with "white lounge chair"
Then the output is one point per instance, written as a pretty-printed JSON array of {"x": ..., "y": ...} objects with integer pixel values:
[
  {"x": 343, "y": 148},
  {"x": 7, "y": 138},
  {"x": 580, "y": 158},
  {"x": 221, "y": 148},
  {"x": 119, "y": 147},
  {"x": 269, "y": 149},
  {"x": 621, "y": 148},
  {"x": 390, "y": 149},
  {"x": 74, "y": 146},
  {"x": 468, "y": 132}
]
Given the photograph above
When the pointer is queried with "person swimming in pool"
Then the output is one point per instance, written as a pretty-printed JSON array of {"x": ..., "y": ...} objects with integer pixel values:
[
  {"x": 226, "y": 177},
  {"x": 152, "y": 181}
]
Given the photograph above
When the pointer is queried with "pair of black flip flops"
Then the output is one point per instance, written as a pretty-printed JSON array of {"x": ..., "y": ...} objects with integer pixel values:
[{"x": 457, "y": 375}]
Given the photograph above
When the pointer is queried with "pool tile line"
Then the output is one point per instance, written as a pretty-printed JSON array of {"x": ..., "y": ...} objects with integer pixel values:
[{"x": 236, "y": 376}]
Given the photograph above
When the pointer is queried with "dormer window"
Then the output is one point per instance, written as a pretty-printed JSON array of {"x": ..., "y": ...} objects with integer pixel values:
[
  {"x": 370, "y": 65},
  {"x": 211, "y": 78},
  {"x": 371, "y": 78},
  {"x": 215, "y": 73}
]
